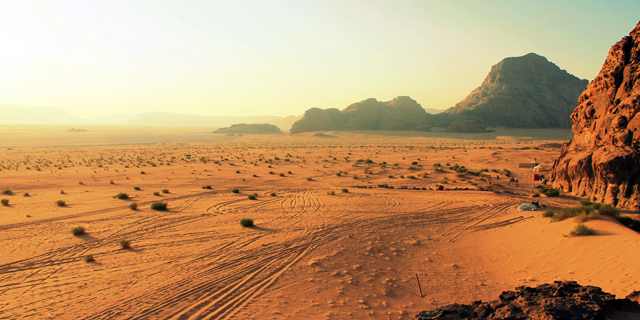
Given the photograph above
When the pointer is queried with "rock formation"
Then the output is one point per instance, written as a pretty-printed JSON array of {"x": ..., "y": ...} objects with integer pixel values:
[
  {"x": 524, "y": 92},
  {"x": 400, "y": 114},
  {"x": 602, "y": 161},
  {"x": 243, "y": 128},
  {"x": 560, "y": 300},
  {"x": 466, "y": 124}
]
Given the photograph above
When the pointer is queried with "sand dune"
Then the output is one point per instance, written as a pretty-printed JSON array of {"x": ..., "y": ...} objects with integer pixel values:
[{"x": 311, "y": 255}]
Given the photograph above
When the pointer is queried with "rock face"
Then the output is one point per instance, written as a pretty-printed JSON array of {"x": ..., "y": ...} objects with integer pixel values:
[
  {"x": 560, "y": 300},
  {"x": 602, "y": 161},
  {"x": 524, "y": 92},
  {"x": 399, "y": 114},
  {"x": 243, "y": 128}
]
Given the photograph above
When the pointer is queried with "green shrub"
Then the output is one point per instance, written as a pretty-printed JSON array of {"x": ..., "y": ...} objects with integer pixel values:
[
  {"x": 548, "y": 214},
  {"x": 206, "y": 187},
  {"x": 309, "y": 179},
  {"x": 5, "y": 202},
  {"x": 609, "y": 210},
  {"x": 246, "y": 222},
  {"x": 136, "y": 188},
  {"x": 582, "y": 230},
  {"x": 7, "y": 192},
  {"x": 235, "y": 190},
  {"x": 368, "y": 161},
  {"x": 89, "y": 258},
  {"x": 252, "y": 197},
  {"x": 125, "y": 244},
  {"x": 61, "y": 203},
  {"x": 133, "y": 206},
  {"x": 345, "y": 190},
  {"x": 156, "y": 193},
  {"x": 26, "y": 194},
  {"x": 273, "y": 194},
  {"x": 331, "y": 192},
  {"x": 159, "y": 206},
  {"x": 550, "y": 192},
  {"x": 165, "y": 190},
  {"x": 78, "y": 231},
  {"x": 122, "y": 196}
]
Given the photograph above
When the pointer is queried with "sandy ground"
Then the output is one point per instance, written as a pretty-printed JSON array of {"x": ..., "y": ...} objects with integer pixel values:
[{"x": 312, "y": 254}]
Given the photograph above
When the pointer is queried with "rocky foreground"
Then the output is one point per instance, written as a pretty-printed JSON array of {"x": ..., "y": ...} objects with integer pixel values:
[{"x": 557, "y": 301}]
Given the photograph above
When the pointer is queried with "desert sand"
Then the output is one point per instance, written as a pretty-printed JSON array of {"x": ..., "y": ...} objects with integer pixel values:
[{"x": 312, "y": 255}]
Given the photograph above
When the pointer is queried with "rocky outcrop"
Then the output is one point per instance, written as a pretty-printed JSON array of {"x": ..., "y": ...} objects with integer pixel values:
[
  {"x": 243, "y": 128},
  {"x": 466, "y": 124},
  {"x": 602, "y": 161},
  {"x": 560, "y": 300},
  {"x": 399, "y": 114},
  {"x": 524, "y": 92}
]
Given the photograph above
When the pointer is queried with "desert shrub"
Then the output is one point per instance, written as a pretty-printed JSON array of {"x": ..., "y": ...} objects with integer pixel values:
[
  {"x": 77, "y": 231},
  {"x": 282, "y": 174},
  {"x": 436, "y": 165},
  {"x": 235, "y": 190},
  {"x": 633, "y": 224},
  {"x": 345, "y": 190},
  {"x": 255, "y": 175},
  {"x": 142, "y": 172},
  {"x": 252, "y": 197},
  {"x": 584, "y": 216},
  {"x": 206, "y": 187},
  {"x": 111, "y": 182},
  {"x": 133, "y": 206},
  {"x": 548, "y": 214},
  {"x": 125, "y": 244},
  {"x": 550, "y": 192},
  {"x": 61, "y": 191},
  {"x": 136, "y": 188},
  {"x": 165, "y": 190},
  {"x": 273, "y": 194},
  {"x": 89, "y": 258},
  {"x": 26, "y": 194},
  {"x": 156, "y": 193},
  {"x": 609, "y": 210},
  {"x": 411, "y": 177},
  {"x": 122, "y": 196},
  {"x": 414, "y": 163},
  {"x": 309, "y": 179},
  {"x": 61, "y": 203},
  {"x": 586, "y": 203},
  {"x": 4, "y": 202},
  {"x": 7, "y": 192},
  {"x": 246, "y": 222},
  {"x": 159, "y": 206},
  {"x": 368, "y": 161},
  {"x": 331, "y": 192},
  {"x": 582, "y": 230}
]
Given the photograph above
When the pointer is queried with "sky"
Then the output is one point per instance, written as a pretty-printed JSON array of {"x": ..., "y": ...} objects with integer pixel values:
[{"x": 282, "y": 57}]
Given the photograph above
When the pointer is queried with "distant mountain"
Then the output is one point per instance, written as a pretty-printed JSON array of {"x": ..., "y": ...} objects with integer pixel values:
[
  {"x": 115, "y": 118},
  {"x": 167, "y": 119},
  {"x": 243, "y": 128},
  {"x": 11, "y": 114},
  {"x": 433, "y": 111},
  {"x": 285, "y": 123},
  {"x": 400, "y": 114},
  {"x": 523, "y": 92}
]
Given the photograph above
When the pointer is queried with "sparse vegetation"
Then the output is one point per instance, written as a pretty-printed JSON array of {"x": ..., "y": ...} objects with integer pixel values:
[
  {"x": 61, "y": 203},
  {"x": 609, "y": 210},
  {"x": 89, "y": 258},
  {"x": 26, "y": 194},
  {"x": 133, "y": 206},
  {"x": 125, "y": 244},
  {"x": 206, "y": 187},
  {"x": 165, "y": 190},
  {"x": 78, "y": 231},
  {"x": 548, "y": 214},
  {"x": 122, "y": 196},
  {"x": 7, "y": 192},
  {"x": 252, "y": 197},
  {"x": 246, "y": 222},
  {"x": 156, "y": 193},
  {"x": 331, "y": 192},
  {"x": 4, "y": 202},
  {"x": 235, "y": 190},
  {"x": 550, "y": 192},
  {"x": 582, "y": 230},
  {"x": 345, "y": 190},
  {"x": 159, "y": 206},
  {"x": 136, "y": 188}
]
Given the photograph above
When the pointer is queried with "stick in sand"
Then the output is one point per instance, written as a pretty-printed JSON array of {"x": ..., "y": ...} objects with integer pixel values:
[{"x": 419, "y": 285}]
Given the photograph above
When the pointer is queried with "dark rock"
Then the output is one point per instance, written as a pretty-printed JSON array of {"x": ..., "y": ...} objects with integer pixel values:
[
  {"x": 243, "y": 128},
  {"x": 557, "y": 301},
  {"x": 602, "y": 161},
  {"x": 522, "y": 92},
  {"x": 399, "y": 114}
]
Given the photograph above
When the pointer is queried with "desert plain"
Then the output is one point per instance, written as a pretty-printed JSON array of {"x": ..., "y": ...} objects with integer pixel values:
[{"x": 332, "y": 239}]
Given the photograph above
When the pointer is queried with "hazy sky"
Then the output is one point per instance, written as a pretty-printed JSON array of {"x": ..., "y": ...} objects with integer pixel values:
[{"x": 278, "y": 57}]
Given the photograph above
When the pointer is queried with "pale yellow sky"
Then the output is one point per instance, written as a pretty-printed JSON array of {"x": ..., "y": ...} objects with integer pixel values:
[{"x": 94, "y": 58}]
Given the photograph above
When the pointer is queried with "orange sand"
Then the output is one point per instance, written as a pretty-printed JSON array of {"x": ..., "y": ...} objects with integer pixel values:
[{"x": 311, "y": 254}]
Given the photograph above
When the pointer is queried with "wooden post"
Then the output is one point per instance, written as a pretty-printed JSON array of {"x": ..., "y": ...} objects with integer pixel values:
[{"x": 420, "y": 288}]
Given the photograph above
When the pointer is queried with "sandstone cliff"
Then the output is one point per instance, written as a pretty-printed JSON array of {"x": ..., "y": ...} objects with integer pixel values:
[
  {"x": 524, "y": 92},
  {"x": 243, "y": 128},
  {"x": 602, "y": 161},
  {"x": 399, "y": 114}
]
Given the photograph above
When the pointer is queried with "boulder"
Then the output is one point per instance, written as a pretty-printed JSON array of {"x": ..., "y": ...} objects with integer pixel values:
[{"x": 602, "y": 161}]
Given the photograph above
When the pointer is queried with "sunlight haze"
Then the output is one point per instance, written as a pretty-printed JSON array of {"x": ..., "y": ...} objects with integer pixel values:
[{"x": 93, "y": 58}]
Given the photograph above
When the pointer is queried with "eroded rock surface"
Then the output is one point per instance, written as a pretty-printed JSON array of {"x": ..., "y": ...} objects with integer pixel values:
[
  {"x": 557, "y": 301},
  {"x": 602, "y": 161}
]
